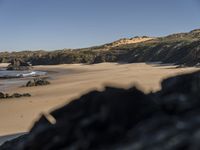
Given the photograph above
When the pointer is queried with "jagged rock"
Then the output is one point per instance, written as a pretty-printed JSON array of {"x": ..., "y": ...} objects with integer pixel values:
[
  {"x": 18, "y": 64},
  {"x": 37, "y": 82},
  {"x": 125, "y": 119}
]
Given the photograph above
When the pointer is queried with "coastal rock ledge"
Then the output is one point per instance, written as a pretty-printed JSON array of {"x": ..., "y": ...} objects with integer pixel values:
[{"x": 122, "y": 119}]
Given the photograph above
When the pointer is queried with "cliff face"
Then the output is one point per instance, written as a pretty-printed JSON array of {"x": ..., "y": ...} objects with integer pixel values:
[
  {"x": 116, "y": 119},
  {"x": 182, "y": 48}
]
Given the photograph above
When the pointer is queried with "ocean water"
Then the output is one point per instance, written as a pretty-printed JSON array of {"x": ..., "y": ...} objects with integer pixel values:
[
  {"x": 14, "y": 74},
  {"x": 12, "y": 79}
]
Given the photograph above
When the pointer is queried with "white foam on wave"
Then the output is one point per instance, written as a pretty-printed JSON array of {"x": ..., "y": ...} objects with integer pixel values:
[
  {"x": 21, "y": 74},
  {"x": 31, "y": 74}
]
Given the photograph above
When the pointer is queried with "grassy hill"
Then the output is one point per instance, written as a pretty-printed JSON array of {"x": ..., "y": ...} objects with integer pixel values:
[{"x": 181, "y": 48}]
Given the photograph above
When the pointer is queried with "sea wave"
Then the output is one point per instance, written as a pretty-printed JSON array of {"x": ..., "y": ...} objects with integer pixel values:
[{"x": 20, "y": 74}]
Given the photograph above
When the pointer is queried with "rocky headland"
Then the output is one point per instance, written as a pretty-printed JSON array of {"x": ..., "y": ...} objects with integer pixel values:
[{"x": 182, "y": 49}]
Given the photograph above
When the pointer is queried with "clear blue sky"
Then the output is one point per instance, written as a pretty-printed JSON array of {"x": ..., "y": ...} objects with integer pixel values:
[{"x": 57, "y": 24}]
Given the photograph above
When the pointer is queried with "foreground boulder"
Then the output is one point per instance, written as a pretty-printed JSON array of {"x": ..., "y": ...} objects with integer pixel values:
[
  {"x": 18, "y": 64},
  {"x": 37, "y": 82},
  {"x": 127, "y": 119}
]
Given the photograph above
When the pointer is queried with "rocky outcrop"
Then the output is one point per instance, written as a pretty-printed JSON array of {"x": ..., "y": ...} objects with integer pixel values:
[
  {"x": 127, "y": 119},
  {"x": 18, "y": 64},
  {"x": 37, "y": 82},
  {"x": 14, "y": 95}
]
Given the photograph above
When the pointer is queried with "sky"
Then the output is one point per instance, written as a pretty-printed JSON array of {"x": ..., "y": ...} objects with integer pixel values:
[{"x": 58, "y": 24}]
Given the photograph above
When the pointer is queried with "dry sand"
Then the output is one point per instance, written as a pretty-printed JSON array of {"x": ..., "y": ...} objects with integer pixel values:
[
  {"x": 126, "y": 41},
  {"x": 69, "y": 81}
]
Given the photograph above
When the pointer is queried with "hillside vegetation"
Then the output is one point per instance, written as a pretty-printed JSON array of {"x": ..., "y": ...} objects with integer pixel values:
[{"x": 181, "y": 48}]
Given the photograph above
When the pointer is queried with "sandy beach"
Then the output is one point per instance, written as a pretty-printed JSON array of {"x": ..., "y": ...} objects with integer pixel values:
[{"x": 69, "y": 81}]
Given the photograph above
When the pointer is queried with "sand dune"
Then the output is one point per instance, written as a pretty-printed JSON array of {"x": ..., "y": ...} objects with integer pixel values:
[
  {"x": 70, "y": 81},
  {"x": 127, "y": 41},
  {"x": 131, "y": 41}
]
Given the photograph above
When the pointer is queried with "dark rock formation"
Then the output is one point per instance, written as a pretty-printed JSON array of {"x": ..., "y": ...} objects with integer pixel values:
[
  {"x": 37, "y": 82},
  {"x": 127, "y": 119},
  {"x": 14, "y": 95},
  {"x": 18, "y": 64}
]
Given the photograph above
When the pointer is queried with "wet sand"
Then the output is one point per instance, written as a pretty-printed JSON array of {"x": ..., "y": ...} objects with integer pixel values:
[{"x": 70, "y": 81}]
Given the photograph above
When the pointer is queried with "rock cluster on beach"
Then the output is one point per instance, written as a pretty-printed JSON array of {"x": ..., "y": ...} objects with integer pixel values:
[
  {"x": 14, "y": 95},
  {"x": 18, "y": 64},
  {"x": 122, "y": 119},
  {"x": 37, "y": 82}
]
